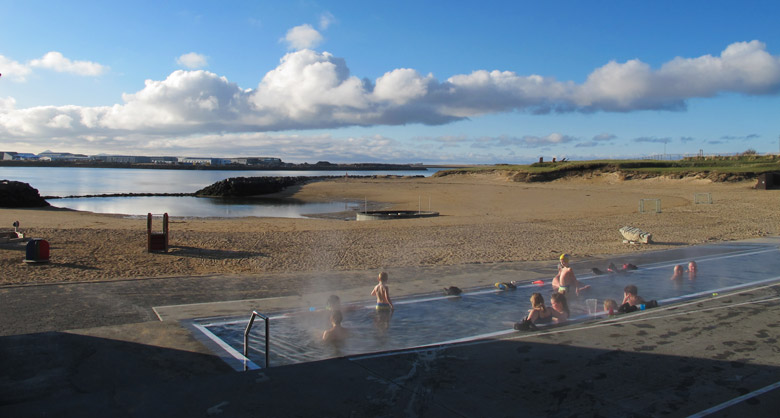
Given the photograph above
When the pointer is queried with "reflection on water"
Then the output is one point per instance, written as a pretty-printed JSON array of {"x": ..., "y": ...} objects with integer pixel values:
[
  {"x": 201, "y": 206},
  {"x": 79, "y": 181}
]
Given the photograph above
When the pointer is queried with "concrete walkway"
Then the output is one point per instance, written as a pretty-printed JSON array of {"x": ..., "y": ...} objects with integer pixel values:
[{"x": 99, "y": 349}]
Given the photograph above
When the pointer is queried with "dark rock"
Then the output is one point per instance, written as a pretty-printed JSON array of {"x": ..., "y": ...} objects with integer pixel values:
[
  {"x": 250, "y": 186},
  {"x": 15, "y": 194}
]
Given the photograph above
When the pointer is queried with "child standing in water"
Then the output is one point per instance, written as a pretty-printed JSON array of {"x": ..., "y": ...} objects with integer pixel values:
[
  {"x": 565, "y": 280},
  {"x": 382, "y": 293},
  {"x": 384, "y": 305}
]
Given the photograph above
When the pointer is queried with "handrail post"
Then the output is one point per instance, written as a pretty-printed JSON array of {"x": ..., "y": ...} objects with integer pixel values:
[{"x": 246, "y": 337}]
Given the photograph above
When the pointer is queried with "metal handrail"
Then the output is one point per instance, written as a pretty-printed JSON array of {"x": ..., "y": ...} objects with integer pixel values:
[{"x": 246, "y": 337}]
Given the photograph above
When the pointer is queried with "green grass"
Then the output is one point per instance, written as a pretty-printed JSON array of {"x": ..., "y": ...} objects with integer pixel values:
[{"x": 749, "y": 165}]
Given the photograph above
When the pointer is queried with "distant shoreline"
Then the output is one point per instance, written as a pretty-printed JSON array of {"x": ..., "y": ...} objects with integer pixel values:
[{"x": 232, "y": 167}]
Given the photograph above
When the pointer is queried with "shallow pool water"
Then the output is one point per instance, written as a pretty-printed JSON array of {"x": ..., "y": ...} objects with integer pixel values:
[{"x": 424, "y": 320}]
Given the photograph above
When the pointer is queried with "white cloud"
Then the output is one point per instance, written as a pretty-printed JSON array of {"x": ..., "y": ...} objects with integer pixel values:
[
  {"x": 302, "y": 37},
  {"x": 653, "y": 139},
  {"x": 313, "y": 90},
  {"x": 604, "y": 137},
  {"x": 401, "y": 86},
  {"x": 326, "y": 19},
  {"x": 193, "y": 60},
  {"x": 743, "y": 67},
  {"x": 527, "y": 141},
  {"x": 7, "y": 104},
  {"x": 12, "y": 70},
  {"x": 57, "y": 62}
]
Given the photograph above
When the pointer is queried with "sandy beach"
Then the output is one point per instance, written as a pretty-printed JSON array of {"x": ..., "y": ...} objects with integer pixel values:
[{"x": 485, "y": 218}]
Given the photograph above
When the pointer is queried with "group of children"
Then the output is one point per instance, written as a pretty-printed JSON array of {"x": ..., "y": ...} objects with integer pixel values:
[
  {"x": 384, "y": 308},
  {"x": 693, "y": 269},
  {"x": 565, "y": 282}
]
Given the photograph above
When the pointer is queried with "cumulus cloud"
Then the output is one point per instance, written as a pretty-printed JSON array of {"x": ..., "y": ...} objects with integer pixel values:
[
  {"x": 302, "y": 37},
  {"x": 7, "y": 104},
  {"x": 743, "y": 67},
  {"x": 192, "y": 60},
  {"x": 18, "y": 72},
  {"x": 57, "y": 62},
  {"x": 315, "y": 90},
  {"x": 13, "y": 70}
]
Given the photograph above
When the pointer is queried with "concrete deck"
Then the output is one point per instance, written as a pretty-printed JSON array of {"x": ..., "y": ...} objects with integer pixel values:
[{"x": 99, "y": 349}]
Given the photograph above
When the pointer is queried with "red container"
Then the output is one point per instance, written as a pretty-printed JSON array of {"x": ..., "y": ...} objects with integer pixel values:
[{"x": 37, "y": 251}]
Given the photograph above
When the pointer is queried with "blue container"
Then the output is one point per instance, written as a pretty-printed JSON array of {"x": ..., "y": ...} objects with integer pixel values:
[{"x": 37, "y": 251}]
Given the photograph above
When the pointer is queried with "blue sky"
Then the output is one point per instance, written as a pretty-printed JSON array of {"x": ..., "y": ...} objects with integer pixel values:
[{"x": 432, "y": 82}]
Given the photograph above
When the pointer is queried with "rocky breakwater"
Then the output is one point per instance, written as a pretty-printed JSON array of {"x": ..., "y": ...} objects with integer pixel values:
[
  {"x": 251, "y": 186},
  {"x": 15, "y": 194}
]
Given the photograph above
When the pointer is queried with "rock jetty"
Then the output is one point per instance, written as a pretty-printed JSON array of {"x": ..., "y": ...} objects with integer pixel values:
[
  {"x": 15, "y": 194},
  {"x": 251, "y": 186}
]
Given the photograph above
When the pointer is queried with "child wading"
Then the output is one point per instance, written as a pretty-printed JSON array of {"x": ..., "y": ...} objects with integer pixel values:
[{"x": 384, "y": 305}]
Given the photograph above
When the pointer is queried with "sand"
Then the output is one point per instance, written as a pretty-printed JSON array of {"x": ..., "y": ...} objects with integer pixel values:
[{"x": 485, "y": 218}]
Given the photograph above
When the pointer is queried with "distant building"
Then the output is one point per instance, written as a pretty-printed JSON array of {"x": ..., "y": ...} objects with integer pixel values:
[
  {"x": 195, "y": 161},
  {"x": 122, "y": 159},
  {"x": 267, "y": 161},
  {"x": 7, "y": 156},
  {"x": 61, "y": 156},
  {"x": 164, "y": 160},
  {"x": 26, "y": 156}
]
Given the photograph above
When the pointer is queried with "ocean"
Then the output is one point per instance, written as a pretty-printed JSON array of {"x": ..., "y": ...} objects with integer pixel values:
[{"x": 77, "y": 181}]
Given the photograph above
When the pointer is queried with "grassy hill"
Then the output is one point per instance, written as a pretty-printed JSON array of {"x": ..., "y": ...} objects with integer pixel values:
[{"x": 734, "y": 168}]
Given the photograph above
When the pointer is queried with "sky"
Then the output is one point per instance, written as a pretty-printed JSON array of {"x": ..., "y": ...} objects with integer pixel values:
[{"x": 400, "y": 82}]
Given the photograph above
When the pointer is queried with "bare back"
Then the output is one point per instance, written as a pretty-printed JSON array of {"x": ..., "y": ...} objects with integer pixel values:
[{"x": 382, "y": 293}]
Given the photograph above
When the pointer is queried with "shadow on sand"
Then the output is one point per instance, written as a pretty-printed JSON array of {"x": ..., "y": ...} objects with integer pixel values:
[{"x": 184, "y": 251}]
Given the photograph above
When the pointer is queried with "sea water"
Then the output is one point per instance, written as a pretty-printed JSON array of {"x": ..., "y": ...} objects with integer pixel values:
[{"x": 83, "y": 181}]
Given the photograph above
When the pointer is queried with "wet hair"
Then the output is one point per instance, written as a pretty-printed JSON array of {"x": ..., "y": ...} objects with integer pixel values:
[
  {"x": 631, "y": 290},
  {"x": 537, "y": 301},
  {"x": 560, "y": 298},
  {"x": 610, "y": 304},
  {"x": 336, "y": 317},
  {"x": 334, "y": 302},
  {"x": 383, "y": 276},
  {"x": 678, "y": 269}
]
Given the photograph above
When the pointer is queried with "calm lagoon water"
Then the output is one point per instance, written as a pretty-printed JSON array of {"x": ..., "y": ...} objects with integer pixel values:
[{"x": 72, "y": 181}]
